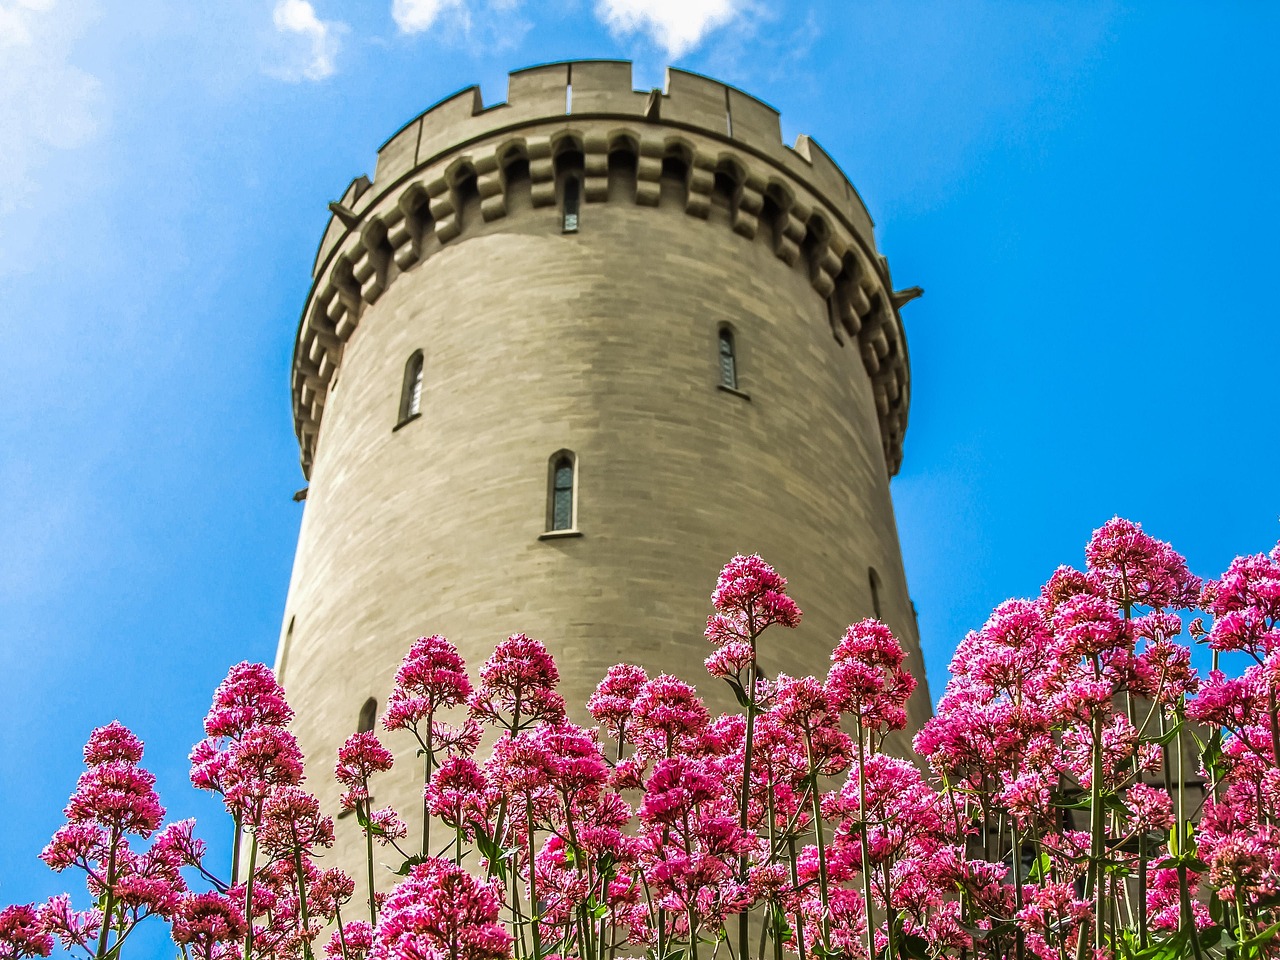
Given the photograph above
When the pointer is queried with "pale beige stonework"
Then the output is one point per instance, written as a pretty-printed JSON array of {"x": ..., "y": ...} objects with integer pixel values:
[{"x": 602, "y": 342}]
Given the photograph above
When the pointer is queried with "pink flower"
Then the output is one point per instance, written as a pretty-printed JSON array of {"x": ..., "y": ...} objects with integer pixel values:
[
  {"x": 292, "y": 822},
  {"x": 440, "y": 912},
  {"x": 1136, "y": 569},
  {"x": 177, "y": 841},
  {"x": 457, "y": 792},
  {"x": 76, "y": 844},
  {"x": 613, "y": 702},
  {"x": 73, "y": 928},
  {"x": 22, "y": 934},
  {"x": 517, "y": 685},
  {"x": 866, "y": 677},
  {"x": 1067, "y": 582},
  {"x": 731, "y": 659},
  {"x": 432, "y": 677},
  {"x": 203, "y": 920},
  {"x": 360, "y": 758},
  {"x": 118, "y": 796},
  {"x": 248, "y": 697},
  {"x": 1086, "y": 626},
  {"x": 387, "y": 826},
  {"x": 352, "y": 942},
  {"x": 1246, "y": 605},
  {"x": 113, "y": 742},
  {"x": 1152, "y": 808},
  {"x": 666, "y": 710},
  {"x": 749, "y": 597}
]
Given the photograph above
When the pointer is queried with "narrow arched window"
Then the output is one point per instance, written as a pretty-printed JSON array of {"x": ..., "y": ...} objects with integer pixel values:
[
  {"x": 728, "y": 360},
  {"x": 368, "y": 716},
  {"x": 561, "y": 505},
  {"x": 873, "y": 579},
  {"x": 411, "y": 391},
  {"x": 572, "y": 201}
]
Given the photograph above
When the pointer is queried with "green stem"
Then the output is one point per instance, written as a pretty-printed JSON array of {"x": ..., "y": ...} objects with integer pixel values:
[
  {"x": 235, "y": 850},
  {"x": 110, "y": 885},
  {"x": 821, "y": 842},
  {"x": 862, "y": 836},
  {"x": 368, "y": 850},
  {"x": 248, "y": 897},
  {"x": 533, "y": 885},
  {"x": 302, "y": 904},
  {"x": 744, "y": 929}
]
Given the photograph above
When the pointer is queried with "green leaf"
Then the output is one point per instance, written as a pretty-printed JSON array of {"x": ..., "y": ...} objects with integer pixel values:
[
  {"x": 409, "y": 864},
  {"x": 739, "y": 692},
  {"x": 1263, "y": 936},
  {"x": 1175, "y": 948},
  {"x": 916, "y": 946}
]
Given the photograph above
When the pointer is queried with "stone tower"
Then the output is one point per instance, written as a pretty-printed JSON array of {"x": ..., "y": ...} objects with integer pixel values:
[{"x": 561, "y": 359}]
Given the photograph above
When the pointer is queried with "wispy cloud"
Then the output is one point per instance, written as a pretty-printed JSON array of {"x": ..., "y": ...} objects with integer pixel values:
[
  {"x": 677, "y": 26},
  {"x": 415, "y": 16},
  {"x": 46, "y": 103},
  {"x": 482, "y": 26},
  {"x": 312, "y": 43}
]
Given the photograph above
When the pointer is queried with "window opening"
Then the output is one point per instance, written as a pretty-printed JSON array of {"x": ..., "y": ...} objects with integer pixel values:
[
  {"x": 368, "y": 716},
  {"x": 728, "y": 360},
  {"x": 411, "y": 393},
  {"x": 572, "y": 201},
  {"x": 562, "y": 495},
  {"x": 874, "y": 579}
]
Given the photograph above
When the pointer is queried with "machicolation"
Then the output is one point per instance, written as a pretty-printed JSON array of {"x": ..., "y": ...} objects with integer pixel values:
[{"x": 699, "y": 144}]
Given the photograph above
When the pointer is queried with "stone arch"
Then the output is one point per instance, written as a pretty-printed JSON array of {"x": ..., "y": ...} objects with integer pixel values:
[
  {"x": 464, "y": 189},
  {"x": 726, "y": 189},
  {"x": 517, "y": 180},
  {"x": 623, "y": 165},
  {"x": 775, "y": 205},
  {"x": 673, "y": 183}
]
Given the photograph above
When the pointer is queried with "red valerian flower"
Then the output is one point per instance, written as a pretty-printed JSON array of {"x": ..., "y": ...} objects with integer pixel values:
[
  {"x": 441, "y": 911},
  {"x": 292, "y": 822},
  {"x": 749, "y": 596},
  {"x": 432, "y": 677},
  {"x": 22, "y": 934},
  {"x": 1134, "y": 568},
  {"x": 204, "y": 920},
  {"x": 866, "y": 678},
  {"x": 249, "y": 696}
]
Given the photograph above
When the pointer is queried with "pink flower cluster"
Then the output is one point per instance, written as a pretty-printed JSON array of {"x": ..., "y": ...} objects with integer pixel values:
[{"x": 1081, "y": 791}]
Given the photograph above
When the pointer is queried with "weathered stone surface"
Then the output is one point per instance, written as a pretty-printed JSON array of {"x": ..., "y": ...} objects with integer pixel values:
[{"x": 603, "y": 342}]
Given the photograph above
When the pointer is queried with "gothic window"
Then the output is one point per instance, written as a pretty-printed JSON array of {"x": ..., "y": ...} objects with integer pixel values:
[
  {"x": 728, "y": 360},
  {"x": 874, "y": 579},
  {"x": 572, "y": 201},
  {"x": 561, "y": 506},
  {"x": 411, "y": 392},
  {"x": 368, "y": 715}
]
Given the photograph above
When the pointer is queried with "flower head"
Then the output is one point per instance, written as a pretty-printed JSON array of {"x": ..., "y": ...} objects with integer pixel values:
[
  {"x": 440, "y": 911},
  {"x": 22, "y": 934},
  {"x": 248, "y": 697},
  {"x": 432, "y": 677}
]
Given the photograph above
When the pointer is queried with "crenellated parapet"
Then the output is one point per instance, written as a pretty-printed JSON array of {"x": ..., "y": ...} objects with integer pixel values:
[{"x": 461, "y": 167}]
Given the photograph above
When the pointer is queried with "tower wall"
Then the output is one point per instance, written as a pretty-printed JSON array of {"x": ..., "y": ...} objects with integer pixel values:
[{"x": 602, "y": 342}]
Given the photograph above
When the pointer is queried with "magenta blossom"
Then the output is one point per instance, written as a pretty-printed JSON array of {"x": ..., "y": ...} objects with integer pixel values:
[
  {"x": 441, "y": 912},
  {"x": 22, "y": 934}
]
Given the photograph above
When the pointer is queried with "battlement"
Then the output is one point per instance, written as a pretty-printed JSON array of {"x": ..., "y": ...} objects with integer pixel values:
[
  {"x": 459, "y": 167},
  {"x": 588, "y": 89}
]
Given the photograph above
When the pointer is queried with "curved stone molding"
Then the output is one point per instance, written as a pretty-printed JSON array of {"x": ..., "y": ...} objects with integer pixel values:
[{"x": 456, "y": 169}]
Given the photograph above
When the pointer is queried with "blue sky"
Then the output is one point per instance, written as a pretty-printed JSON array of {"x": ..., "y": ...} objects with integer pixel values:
[{"x": 1086, "y": 192}]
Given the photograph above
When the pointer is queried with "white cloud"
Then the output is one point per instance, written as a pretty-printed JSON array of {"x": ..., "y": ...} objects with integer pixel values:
[
  {"x": 46, "y": 103},
  {"x": 415, "y": 16},
  {"x": 675, "y": 25},
  {"x": 318, "y": 39}
]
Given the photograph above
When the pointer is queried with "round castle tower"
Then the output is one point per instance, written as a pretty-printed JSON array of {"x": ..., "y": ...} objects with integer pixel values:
[{"x": 562, "y": 358}]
